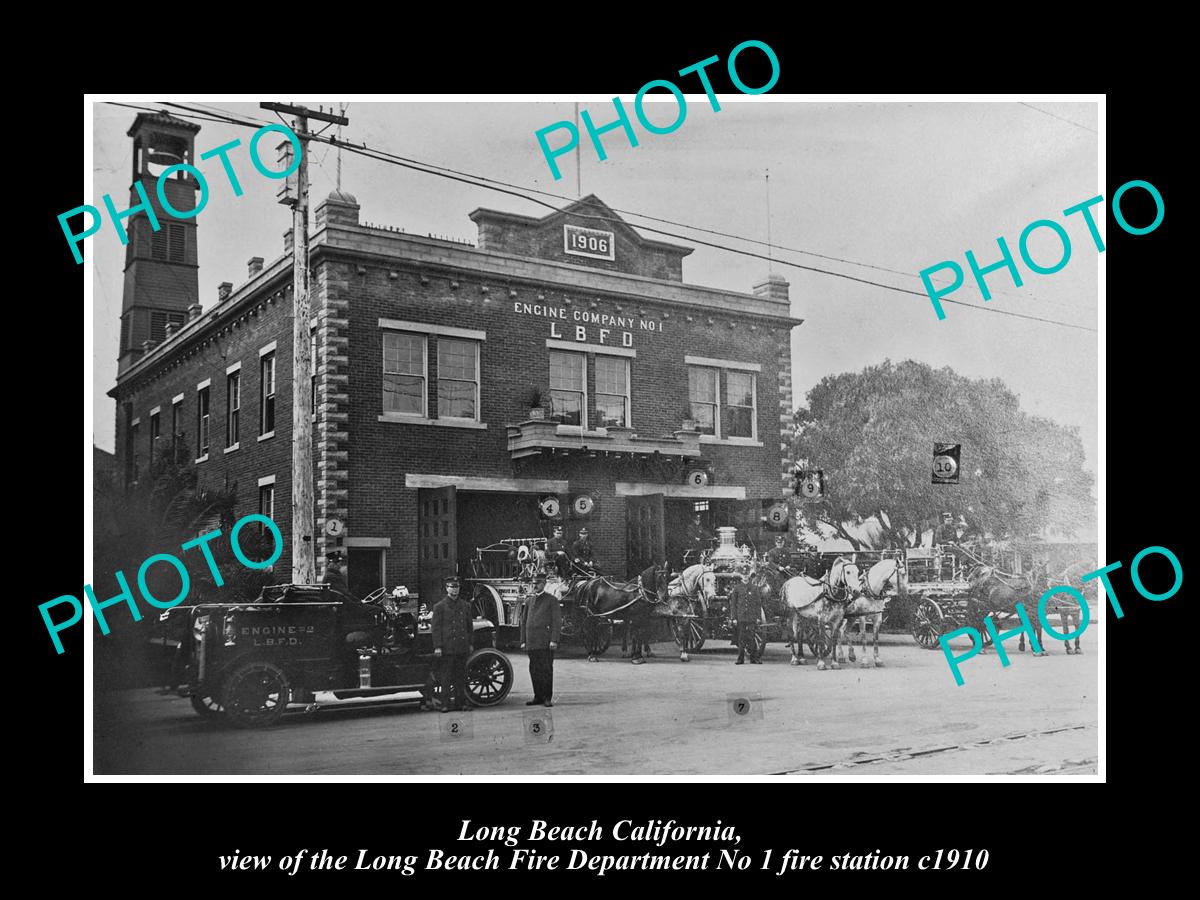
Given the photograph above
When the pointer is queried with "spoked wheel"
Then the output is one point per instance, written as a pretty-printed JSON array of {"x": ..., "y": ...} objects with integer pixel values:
[
  {"x": 255, "y": 694},
  {"x": 928, "y": 624},
  {"x": 756, "y": 646},
  {"x": 597, "y": 634},
  {"x": 207, "y": 707},
  {"x": 689, "y": 633},
  {"x": 489, "y": 677}
]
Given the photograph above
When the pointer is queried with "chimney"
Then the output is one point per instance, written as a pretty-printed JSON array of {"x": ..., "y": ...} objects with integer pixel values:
[
  {"x": 224, "y": 289},
  {"x": 287, "y": 241},
  {"x": 170, "y": 330},
  {"x": 147, "y": 346},
  {"x": 194, "y": 311},
  {"x": 774, "y": 287},
  {"x": 338, "y": 208},
  {"x": 255, "y": 265}
]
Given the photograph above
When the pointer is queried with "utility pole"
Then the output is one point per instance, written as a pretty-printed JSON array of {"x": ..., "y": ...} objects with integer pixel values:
[{"x": 304, "y": 546}]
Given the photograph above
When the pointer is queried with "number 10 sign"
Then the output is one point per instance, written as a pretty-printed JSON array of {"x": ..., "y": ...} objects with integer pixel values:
[{"x": 945, "y": 463}]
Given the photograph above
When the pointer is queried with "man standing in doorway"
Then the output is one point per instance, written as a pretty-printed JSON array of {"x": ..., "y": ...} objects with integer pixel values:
[
  {"x": 541, "y": 627},
  {"x": 699, "y": 539},
  {"x": 451, "y": 631}
]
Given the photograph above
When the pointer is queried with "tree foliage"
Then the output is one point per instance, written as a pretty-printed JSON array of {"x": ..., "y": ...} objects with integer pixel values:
[{"x": 872, "y": 432}]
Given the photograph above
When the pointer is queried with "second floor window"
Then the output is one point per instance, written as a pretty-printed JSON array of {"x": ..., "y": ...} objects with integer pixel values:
[
  {"x": 134, "y": 461},
  {"x": 233, "y": 395},
  {"x": 737, "y": 419},
  {"x": 458, "y": 379},
  {"x": 202, "y": 423},
  {"x": 155, "y": 433},
  {"x": 568, "y": 387},
  {"x": 612, "y": 390},
  {"x": 176, "y": 422},
  {"x": 266, "y": 409},
  {"x": 404, "y": 373},
  {"x": 702, "y": 395}
]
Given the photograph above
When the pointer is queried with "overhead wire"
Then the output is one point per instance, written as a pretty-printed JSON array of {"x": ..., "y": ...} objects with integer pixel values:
[{"x": 524, "y": 194}]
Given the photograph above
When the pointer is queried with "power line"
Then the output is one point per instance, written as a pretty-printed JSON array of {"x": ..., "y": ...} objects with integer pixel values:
[
  {"x": 490, "y": 184},
  {"x": 1047, "y": 112}
]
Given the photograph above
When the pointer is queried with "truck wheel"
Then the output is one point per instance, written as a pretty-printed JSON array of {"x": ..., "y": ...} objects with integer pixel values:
[
  {"x": 489, "y": 677},
  {"x": 207, "y": 707},
  {"x": 255, "y": 694}
]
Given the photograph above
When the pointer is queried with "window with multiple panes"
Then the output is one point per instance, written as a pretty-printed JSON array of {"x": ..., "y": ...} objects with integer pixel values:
[
  {"x": 134, "y": 458},
  {"x": 155, "y": 433},
  {"x": 404, "y": 373},
  {"x": 233, "y": 407},
  {"x": 737, "y": 418},
  {"x": 266, "y": 403},
  {"x": 722, "y": 401},
  {"x": 702, "y": 395},
  {"x": 458, "y": 379},
  {"x": 202, "y": 423},
  {"x": 612, "y": 390},
  {"x": 568, "y": 387},
  {"x": 266, "y": 502},
  {"x": 176, "y": 421}
]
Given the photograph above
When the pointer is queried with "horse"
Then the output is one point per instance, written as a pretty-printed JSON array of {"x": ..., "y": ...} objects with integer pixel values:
[
  {"x": 639, "y": 600},
  {"x": 869, "y": 601},
  {"x": 993, "y": 591},
  {"x": 823, "y": 601},
  {"x": 1069, "y": 616},
  {"x": 695, "y": 586}
]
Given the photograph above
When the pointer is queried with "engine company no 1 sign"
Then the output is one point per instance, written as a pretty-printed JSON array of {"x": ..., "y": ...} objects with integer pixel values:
[{"x": 588, "y": 325}]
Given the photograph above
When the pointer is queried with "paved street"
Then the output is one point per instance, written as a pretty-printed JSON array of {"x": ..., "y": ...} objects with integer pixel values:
[{"x": 668, "y": 718}]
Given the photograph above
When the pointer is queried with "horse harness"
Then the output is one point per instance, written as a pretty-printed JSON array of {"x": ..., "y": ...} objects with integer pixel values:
[{"x": 642, "y": 594}]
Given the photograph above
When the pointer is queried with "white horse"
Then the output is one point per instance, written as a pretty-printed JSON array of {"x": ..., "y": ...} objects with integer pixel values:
[
  {"x": 822, "y": 601},
  {"x": 698, "y": 583},
  {"x": 871, "y": 596}
]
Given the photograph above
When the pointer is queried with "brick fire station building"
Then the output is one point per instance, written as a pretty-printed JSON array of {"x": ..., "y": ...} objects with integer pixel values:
[{"x": 428, "y": 353}]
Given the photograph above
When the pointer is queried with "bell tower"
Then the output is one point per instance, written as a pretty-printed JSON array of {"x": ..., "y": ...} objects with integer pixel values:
[{"x": 161, "y": 277}]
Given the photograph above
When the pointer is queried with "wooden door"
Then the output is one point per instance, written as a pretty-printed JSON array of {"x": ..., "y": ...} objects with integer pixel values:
[
  {"x": 437, "y": 542},
  {"x": 644, "y": 544}
]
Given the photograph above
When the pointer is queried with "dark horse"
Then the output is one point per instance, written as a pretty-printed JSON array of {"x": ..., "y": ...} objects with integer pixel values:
[
  {"x": 636, "y": 601},
  {"x": 993, "y": 591}
]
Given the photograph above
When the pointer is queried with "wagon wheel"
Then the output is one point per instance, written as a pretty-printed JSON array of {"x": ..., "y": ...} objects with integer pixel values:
[
  {"x": 255, "y": 694},
  {"x": 206, "y": 706},
  {"x": 597, "y": 634},
  {"x": 756, "y": 647},
  {"x": 928, "y": 624},
  {"x": 489, "y": 677},
  {"x": 689, "y": 632}
]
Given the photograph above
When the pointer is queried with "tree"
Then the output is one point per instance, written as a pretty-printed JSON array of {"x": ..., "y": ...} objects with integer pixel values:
[{"x": 872, "y": 433}]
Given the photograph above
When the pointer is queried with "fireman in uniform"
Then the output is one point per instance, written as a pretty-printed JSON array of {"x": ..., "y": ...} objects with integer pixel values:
[
  {"x": 451, "y": 632},
  {"x": 556, "y": 553},
  {"x": 745, "y": 609},
  {"x": 582, "y": 553},
  {"x": 779, "y": 555},
  {"x": 699, "y": 539}
]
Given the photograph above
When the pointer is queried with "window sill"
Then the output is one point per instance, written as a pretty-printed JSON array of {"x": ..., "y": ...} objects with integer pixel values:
[
  {"x": 233, "y": 447},
  {"x": 398, "y": 419},
  {"x": 730, "y": 442},
  {"x": 203, "y": 458},
  {"x": 576, "y": 430},
  {"x": 267, "y": 436}
]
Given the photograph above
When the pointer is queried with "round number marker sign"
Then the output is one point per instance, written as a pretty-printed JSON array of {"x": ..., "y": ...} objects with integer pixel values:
[
  {"x": 944, "y": 466},
  {"x": 334, "y": 527},
  {"x": 698, "y": 478},
  {"x": 811, "y": 487},
  {"x": 549, "y": 507},
  {"x": 583, "y": 505},
  {"x": 777, "y": 515}
]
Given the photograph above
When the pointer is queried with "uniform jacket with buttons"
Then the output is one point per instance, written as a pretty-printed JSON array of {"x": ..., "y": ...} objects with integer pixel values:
[
  {"x": 745, "y": 602},
  {"x": 451, "y": 626}
]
